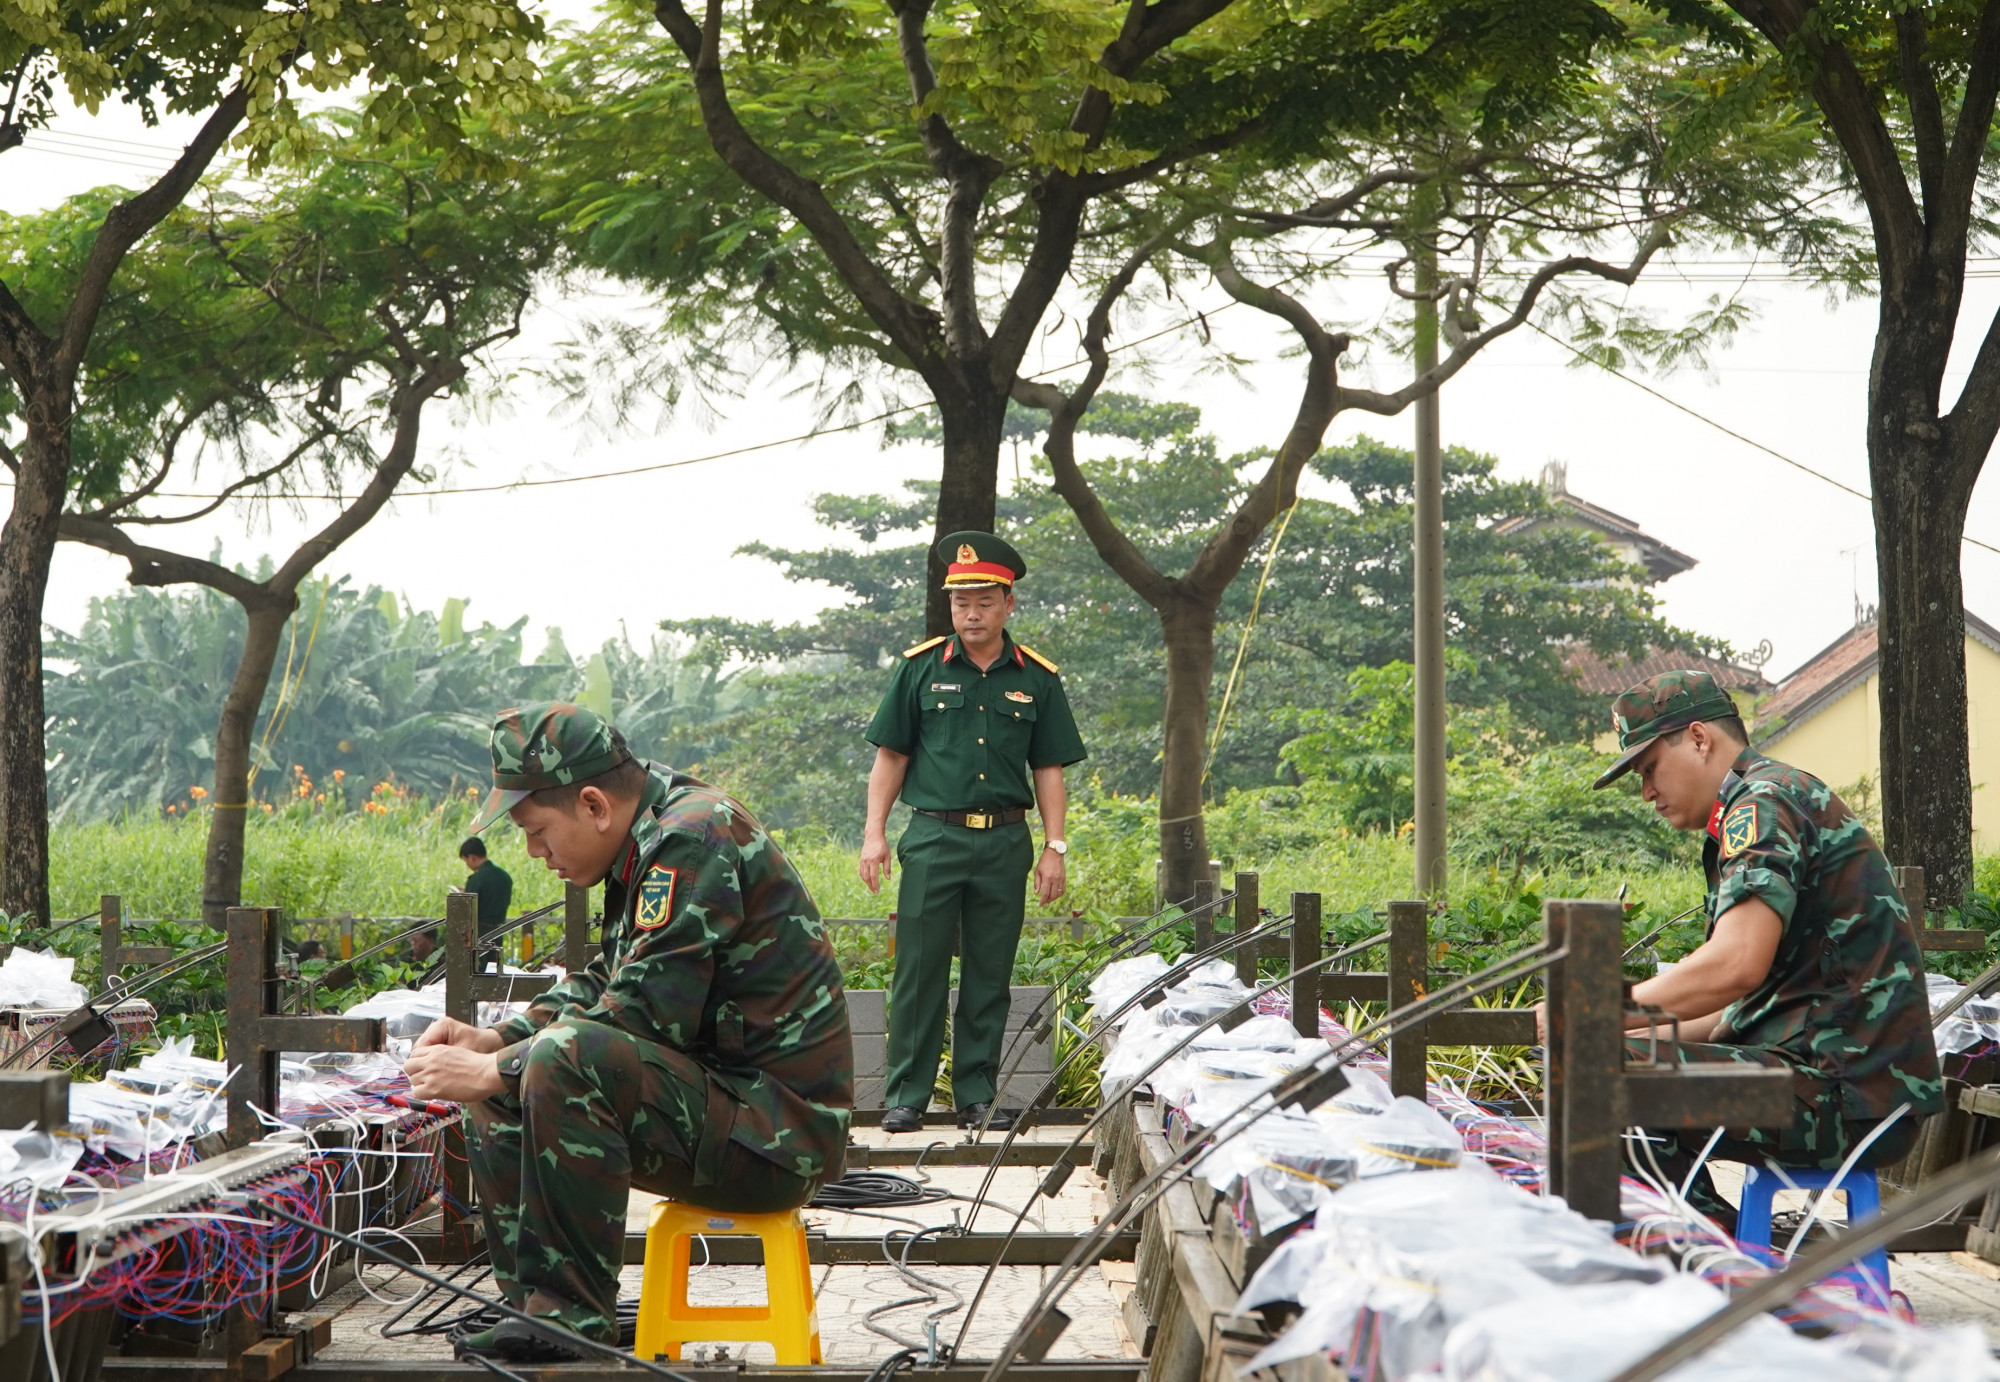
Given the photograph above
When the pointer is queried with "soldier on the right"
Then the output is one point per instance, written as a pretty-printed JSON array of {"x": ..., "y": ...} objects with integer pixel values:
[{"x": 1809, "y": 963}]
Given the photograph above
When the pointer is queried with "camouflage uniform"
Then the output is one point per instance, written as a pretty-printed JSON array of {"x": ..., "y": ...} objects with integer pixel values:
[
  {"x": 1843, "y": 1006},
  {"x": 704, "y": 1055}
]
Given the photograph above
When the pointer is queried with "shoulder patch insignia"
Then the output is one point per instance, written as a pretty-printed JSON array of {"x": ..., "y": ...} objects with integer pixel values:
[
  {"x": 1036, "y": 656},
  {"x": 655, "y": 907},
  {"x": 926, "y": 645},
  {"x": 1739, "y": 829}
]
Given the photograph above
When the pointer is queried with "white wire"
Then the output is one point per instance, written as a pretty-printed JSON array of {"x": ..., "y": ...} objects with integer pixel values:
[
  {"x": 26, "y": 1230},
  {"x": 415, "y": 1253}
]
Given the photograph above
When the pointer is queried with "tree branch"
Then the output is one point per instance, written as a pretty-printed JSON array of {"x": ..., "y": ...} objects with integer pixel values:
[
  {"x": 130, "y": 220},
  {"x": 1389, "y": 404},
  {"x": 325, "y": 430},
  {"x": 1975, "y": 120},
  {"x": 1223, "y": 555},
  {"x": 1859, "y": 128},
  {"x": 1926, "y": 110},
  {"x": 910, "y": 326},
  {"x": 395, "y": 465},
  {"x": 1117, "y": 550},
  {"x": 169, "y": 446},
  {"x": 967, "y": 177},
  {"x": 156, "y": 566}
]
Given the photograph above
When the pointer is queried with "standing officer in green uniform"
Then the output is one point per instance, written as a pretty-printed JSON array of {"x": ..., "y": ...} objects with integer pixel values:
[
  {"x": 1809, "y": 964},
  {"x": 974, "y": 730},
  {"x": 704, "y": 1055}
]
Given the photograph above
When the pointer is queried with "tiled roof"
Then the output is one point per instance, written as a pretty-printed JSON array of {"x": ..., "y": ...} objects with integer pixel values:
[
  {"x": 1843, "y": 664},
  {"x": 1826, "y": 676},
  {"x": 1607, "y": 678},
  {"x": 1660, "y": 560}
]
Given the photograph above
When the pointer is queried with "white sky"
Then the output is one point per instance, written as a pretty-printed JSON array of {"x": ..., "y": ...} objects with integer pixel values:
[{"x": 1782, "y": 556}]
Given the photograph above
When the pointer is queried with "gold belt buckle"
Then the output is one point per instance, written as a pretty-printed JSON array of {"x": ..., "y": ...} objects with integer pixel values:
[{"x": 978, "y": 820}]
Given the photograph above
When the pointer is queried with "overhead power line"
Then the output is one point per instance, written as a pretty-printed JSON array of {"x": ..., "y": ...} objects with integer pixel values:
[{"x": 1728, "y": 431}]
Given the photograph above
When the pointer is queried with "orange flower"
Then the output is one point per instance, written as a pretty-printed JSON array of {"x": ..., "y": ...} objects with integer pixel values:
[
  {"x": 340, "y": 774},
  {"x": 198, "y": 793}
]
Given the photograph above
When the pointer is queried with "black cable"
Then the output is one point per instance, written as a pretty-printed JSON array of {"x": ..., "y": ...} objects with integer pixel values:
[
  {"x": 504, "y": 1311},
  {"x": 875, "y": 1190}
]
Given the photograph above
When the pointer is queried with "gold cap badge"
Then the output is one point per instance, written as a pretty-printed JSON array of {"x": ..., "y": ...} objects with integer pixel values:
[{"x": 966, "y": 554}]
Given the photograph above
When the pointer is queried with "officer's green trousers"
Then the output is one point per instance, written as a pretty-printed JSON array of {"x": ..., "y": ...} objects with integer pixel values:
[{"x": 967, "y": 887}]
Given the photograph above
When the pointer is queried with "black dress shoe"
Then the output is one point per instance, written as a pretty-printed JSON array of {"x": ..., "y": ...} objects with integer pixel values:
[
  {"x": 903, "y": 1120},
  {"x": 974, "y": 1116}
]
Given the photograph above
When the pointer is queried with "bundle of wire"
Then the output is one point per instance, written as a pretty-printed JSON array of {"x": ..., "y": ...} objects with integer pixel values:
[{"x": 189, "y": 1265}]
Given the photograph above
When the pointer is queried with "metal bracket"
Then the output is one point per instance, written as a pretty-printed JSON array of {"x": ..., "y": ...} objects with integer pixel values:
[
  {"x": 112, "y": 954},
  {"x": 1592, "y": 1095},
  {"x": 259, "y": 1033}
]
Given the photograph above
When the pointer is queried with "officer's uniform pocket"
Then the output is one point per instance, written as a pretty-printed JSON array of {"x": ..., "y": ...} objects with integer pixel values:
[
  {"x": 944, "y": 717},
  {"x": 1014, "y": 724}
]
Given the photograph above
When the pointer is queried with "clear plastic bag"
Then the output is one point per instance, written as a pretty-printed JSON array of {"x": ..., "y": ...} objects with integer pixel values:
[
  {"x": 39, "y": 979},
  {"x": 1118, "y": 981},
  {"x": 1592, "y": 1333}
]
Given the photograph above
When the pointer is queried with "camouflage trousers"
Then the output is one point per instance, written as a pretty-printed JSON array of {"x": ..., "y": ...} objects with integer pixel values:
[
  {"x": 1819, "y": 1137},
  {"x": 599, "y": 1112}
]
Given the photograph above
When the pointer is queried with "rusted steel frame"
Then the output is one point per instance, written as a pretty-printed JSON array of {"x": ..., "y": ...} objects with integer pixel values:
[
  {"x": 1246, "y": 922},
  {"x": 465, "y": 988},
  {"x": 1308, "y": 944},
  {"x": 1593, "y": 1093},
  {"x": 112, "y": 955},
  {"x": 258, "y": 1034}
]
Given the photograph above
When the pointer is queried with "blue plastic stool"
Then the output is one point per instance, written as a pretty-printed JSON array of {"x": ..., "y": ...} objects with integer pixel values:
[{"x": 1864, "y": 1201}]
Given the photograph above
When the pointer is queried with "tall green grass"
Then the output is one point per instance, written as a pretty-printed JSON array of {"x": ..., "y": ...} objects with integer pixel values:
[{"x": 400, "y": 863}]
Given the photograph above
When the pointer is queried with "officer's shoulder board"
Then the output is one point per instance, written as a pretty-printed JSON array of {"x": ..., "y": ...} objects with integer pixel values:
[
  {"x": 926, "y": 645},
  {"x": 1037, "y": 657}
]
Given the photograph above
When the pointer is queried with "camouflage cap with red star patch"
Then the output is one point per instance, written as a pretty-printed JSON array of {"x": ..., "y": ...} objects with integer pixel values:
[
  {"x": 973, "y": 560},
  {"x": 1660, "y": 705},
  {"x": 551, "y": 744}
]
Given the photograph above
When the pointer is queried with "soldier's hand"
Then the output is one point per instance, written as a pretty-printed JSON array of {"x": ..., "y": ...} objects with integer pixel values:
[
  {"x": 1051, "y": 876},
  {"x": 457, "y": 1073},
  {"x": 876, "y": 862},
  {"x": 449, "y": 1031}
]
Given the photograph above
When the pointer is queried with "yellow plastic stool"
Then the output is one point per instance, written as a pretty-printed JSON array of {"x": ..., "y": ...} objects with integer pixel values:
[{"x": 788, "y": 1321}]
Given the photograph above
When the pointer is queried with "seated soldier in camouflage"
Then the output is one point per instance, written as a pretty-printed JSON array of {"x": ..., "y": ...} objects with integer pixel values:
[
  {"x": 704, "y": 1055},
  {"x": 1809, "y": 964}
]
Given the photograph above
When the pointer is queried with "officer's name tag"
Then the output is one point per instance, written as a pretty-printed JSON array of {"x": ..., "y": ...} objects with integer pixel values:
[
  {"x": 1021, "y": 696},
  {"x": 946, "y": 686}
]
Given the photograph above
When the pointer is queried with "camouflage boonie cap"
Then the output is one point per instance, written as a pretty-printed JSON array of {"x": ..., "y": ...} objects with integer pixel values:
[
  {"x": 551, "y": 744},
  {"x": 974, "y": 560},
  {"x": 1660, "y": 705}
]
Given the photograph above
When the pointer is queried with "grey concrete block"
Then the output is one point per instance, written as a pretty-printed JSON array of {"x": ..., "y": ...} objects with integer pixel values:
[{"x": 866, "y": 1010}]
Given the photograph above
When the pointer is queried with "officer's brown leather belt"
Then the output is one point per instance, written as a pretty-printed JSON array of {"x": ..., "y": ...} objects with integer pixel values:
[{"x": 978, "y": 820}]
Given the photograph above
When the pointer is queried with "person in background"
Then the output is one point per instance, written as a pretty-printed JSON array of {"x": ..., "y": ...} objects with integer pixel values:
[{"x": 493, "y": 886}]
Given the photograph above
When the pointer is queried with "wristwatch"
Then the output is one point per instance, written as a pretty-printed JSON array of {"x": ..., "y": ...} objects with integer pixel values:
[{"x": 1059, "y": 846}]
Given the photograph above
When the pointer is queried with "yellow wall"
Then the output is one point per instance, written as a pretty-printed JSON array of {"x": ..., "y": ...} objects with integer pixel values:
[{"x": 1843, "y": 740}]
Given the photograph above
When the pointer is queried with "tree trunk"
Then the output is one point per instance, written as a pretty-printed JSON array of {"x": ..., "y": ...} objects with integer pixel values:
[
  {"x": 27, "y": 545},
  {"x": 1190, "y": 637},
  {"x": 971, "y": 419},
  {"x": 1921, "y": 493},
  {"x": 222, "y": 866}
]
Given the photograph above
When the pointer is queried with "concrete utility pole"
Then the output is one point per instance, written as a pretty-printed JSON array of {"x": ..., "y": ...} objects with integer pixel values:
[{"x": 1428, "y": 549}]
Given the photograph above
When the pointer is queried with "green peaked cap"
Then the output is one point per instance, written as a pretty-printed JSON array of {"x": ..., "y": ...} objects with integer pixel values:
[
  {"x": 1660, "y": 705},
  {"x": 549, "y": 744}
]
